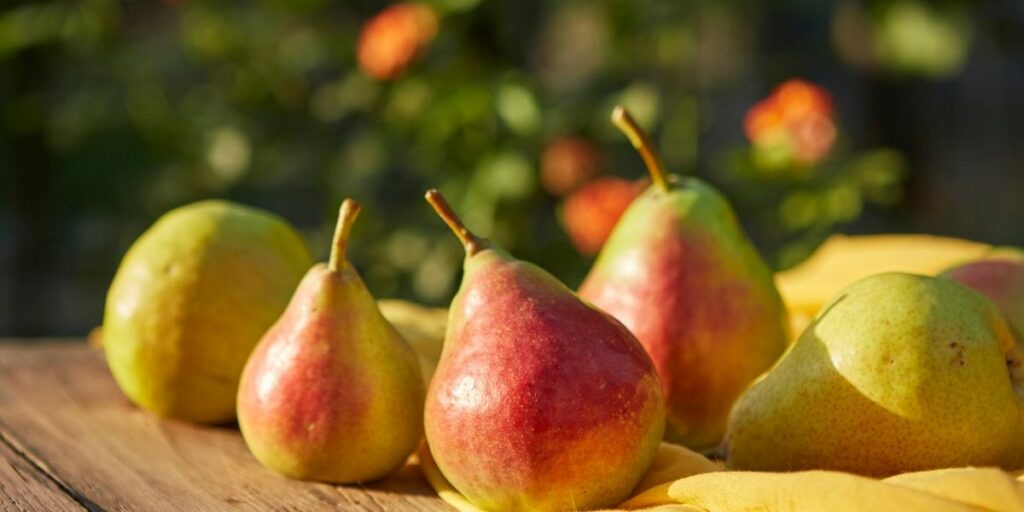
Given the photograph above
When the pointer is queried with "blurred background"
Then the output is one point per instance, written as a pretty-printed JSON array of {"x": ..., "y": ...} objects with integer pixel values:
[{"x": 813, "y": 117}]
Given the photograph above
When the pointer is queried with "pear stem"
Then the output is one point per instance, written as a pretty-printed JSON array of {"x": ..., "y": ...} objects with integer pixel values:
[
  {"x": 627, "y": 125},
  {"x": 346, "y": 217},
  {"x": 472, "y": 243}
]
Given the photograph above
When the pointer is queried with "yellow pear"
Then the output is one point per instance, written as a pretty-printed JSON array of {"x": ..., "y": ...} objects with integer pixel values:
[
  {"x": 192, "y": 297},
  {"x": 898, "y": 373}
]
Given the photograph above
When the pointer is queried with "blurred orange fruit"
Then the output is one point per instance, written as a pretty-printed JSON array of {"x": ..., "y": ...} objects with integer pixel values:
[
  {"x": 567, "y": 163},
  {"x": 590, "y": 213},
  {"x": 797, "y": 116},
  {"x": 392, "y": 38}
]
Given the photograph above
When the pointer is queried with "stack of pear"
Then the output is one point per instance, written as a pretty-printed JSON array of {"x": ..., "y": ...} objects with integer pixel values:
[
  {"x": 898, "y": 373},
  {"x": 540, "y": 401},
  {"x": 332, "y": 392},
  {"x": 191, "y": 299},
  {"x": 681, "y": 274}
]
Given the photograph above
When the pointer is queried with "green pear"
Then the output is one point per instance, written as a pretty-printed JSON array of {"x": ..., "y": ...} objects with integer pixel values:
[
  {"x": 681, "y": 274},
  {"x": 898, "y": 373},
  {"x": 540, "y": 401},
  {"x": 332, "y": 392},
  {"x": 191, "y": 299},
  {"x": 1000, "y": 277}
]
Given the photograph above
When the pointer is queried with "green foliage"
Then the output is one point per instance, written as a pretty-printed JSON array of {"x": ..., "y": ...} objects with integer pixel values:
[{"x": 144, "y": 106}]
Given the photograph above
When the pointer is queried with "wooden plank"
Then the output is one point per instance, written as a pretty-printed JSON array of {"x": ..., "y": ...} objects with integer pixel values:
[
  {"x": 25, "y": 487},
  {"x": 61, "y": 407}
]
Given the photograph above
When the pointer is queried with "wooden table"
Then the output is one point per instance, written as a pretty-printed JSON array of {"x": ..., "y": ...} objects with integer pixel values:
[{"x": 70, "y": 440}]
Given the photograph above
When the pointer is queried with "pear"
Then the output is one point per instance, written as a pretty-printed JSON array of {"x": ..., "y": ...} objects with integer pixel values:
[
  {"x": 191, "y": 298},
  {"x": 899, "y": 373},
  {"x": 681, "y": 274},
  {"x": 540, "y": 401},
  {"x": 1000, "y": 277},
  {"x": 332, "y": 392}
]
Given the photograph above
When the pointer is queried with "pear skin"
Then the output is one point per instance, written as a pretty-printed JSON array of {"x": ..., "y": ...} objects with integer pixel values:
[
  {"x": 332, "y": 392},
  {"x": 681, "y": 274},
  {"x": 1000, "y": 277},
  {"x": 898, "y": 373},
  {"x": 191, "y": 299},
  {"x": 540, "y": 401}
]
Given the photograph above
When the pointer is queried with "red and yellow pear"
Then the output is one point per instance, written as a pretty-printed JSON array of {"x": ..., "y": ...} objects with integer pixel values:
[
  {"x": 681, "y": 274},
  {"x": 1000, "y": 277},
  {"x": 332, "y": 392},
  {"x": 540, "y": 401}
]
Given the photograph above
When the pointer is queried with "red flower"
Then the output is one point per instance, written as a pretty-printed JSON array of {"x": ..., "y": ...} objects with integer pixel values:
[
  {"x": 392, "y": 38},
  {"x": 798, "y": 117}
]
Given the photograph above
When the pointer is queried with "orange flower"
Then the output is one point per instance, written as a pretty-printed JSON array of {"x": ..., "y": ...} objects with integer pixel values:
[
  {"x": 798, "y": 117},
  {"x": 392, "y": 38}
]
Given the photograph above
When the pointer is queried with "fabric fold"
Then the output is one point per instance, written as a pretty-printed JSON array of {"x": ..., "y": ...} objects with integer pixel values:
[{"x": 681, "y": 480}]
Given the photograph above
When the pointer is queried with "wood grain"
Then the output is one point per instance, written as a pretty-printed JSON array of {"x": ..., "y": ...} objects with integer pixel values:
[
  {"x": 25, "y": 487},
  {"x": 60, "y": 410}
]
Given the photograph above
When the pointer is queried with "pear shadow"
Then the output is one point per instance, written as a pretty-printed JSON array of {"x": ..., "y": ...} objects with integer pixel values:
[
  {"x": 226, "y": 426},
  {"x": 407, "y": 481}
]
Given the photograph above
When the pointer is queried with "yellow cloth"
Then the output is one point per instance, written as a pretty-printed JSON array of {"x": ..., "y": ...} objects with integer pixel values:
[
  {"x": 683, "y": 481},
  {"x": 843, "y": 260}
]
